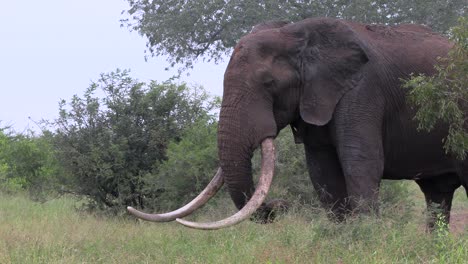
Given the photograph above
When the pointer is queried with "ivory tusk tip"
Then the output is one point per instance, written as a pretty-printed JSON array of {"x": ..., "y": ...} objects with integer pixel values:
[
  {"x": 192, "y": 224},
  {"x": 183, "y": 222}
]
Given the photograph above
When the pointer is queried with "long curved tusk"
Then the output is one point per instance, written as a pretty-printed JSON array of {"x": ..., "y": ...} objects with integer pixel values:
[
  {"x": 210, "y": 190},
  {"x": 264, "y": 182}
]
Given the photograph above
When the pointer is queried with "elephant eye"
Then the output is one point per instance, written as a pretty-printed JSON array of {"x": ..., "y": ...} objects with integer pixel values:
[{"x": 269, "y": 83}]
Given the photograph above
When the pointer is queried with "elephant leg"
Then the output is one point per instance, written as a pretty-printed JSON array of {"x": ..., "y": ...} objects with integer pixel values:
[
  {"x": 362, "y": 182},
  {"x": 438, "y": 192},
  {"x": 358, "y": 129},
  {"x": 327, "y": 177},
  {"x": 361, "y": 156}
]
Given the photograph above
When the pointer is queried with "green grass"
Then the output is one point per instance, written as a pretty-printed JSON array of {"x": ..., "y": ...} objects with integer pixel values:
[{"x": 55, "y": 232}]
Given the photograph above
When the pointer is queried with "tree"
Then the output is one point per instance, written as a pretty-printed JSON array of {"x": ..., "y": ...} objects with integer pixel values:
[
  {"x": 190, "y": 165},
  {"x": 443, "y": 97},
  {"x": 111, "y": 139},
  {"x": 188, "y": 30},
  {"x": 28, "y": 162}
]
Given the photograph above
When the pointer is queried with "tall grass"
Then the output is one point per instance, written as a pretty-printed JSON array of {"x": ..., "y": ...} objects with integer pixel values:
[{"x": 55, "y": 232}]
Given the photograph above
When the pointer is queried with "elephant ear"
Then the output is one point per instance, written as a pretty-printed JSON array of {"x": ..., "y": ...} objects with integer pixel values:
[
  {"x": 331, "y": 60},
  {"x": 268, "y": 25}
]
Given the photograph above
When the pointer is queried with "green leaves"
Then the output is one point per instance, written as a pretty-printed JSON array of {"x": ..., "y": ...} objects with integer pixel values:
[
  {"x": 191, "y": 164},
  {"x": 112, "y": 139},
  {"x": 189, "y": 30},
  {"x": 28, "y": 162},
  {"x": 444, "y": 96}
]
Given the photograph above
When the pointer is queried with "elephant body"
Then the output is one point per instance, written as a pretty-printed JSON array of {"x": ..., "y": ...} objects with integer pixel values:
[
  {"x": 376, "y": 111},
  {"x": 338, "y": 85}
]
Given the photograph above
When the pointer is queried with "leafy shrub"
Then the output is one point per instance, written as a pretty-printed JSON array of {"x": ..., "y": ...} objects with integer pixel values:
[
  {"x": 190, "y": 165},
  {"x": 444, "y": 96},
  {"x": 113, "y": 138},
  {"x": 28, "y": 162}
]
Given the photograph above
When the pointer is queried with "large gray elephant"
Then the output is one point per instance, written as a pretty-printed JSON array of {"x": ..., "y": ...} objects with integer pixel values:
[{"x": 338, "y": 85}]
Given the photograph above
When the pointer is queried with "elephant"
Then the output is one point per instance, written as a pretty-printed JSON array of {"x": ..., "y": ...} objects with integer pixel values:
[{"x": 337, "y": 84}]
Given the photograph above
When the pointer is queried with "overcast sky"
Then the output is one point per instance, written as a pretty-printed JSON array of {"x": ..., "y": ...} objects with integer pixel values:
[{"x": 53, "y": 49}]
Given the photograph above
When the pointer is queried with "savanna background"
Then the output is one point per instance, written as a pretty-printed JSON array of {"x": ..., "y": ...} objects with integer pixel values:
[{"x": 121, "y": 141}]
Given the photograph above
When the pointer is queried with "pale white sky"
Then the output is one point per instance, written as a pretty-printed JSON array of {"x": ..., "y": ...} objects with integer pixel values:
[{"x": 52, "y": 49}]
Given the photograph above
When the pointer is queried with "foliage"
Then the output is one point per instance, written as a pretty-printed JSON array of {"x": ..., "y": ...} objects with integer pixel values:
[
  {"x": 188, "y": 30},
  {"x": 392, "y": 192},
  {"x": 443, "y": 97},
  {"x": 190, "y": 165},
  {"x": 28, "y": 162},
  {"x": 112, "y": 138},
  {"x": 398, "y": 196}
]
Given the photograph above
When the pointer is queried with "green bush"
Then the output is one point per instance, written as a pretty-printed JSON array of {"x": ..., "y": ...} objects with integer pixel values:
[
  {"x": 113, "y": 138},
  {"x": 28, "y": 162},
  {"x": 191, "y": 164},
  {"x": 443, "y": 97}
]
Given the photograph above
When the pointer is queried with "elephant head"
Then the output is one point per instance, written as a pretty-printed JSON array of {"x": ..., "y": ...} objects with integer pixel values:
[{"x": 277, "y": 75}]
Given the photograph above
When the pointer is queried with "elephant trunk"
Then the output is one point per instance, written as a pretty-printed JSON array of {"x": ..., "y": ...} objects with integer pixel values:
[
  {"x": 264, "y": 182},
  {"x": 235, "y": 156},
  {"x": 246, "y": 121}
]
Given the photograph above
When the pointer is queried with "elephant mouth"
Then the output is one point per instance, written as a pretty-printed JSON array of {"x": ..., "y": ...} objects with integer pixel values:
[{"x": 261, "y": 191}]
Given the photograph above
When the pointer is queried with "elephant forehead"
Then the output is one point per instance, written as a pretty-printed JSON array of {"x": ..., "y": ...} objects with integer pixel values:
[
  {"x": 239, "y": 56},
  {"x": 268, "y": 41},
  {"x": 237, "y": 49}
]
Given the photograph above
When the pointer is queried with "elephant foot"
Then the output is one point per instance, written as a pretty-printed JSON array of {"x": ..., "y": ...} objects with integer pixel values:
[{"x": 268, "y": 212}]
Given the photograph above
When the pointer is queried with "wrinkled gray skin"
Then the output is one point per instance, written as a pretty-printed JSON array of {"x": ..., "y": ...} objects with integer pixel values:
[{"x": 337, "y": 84}]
